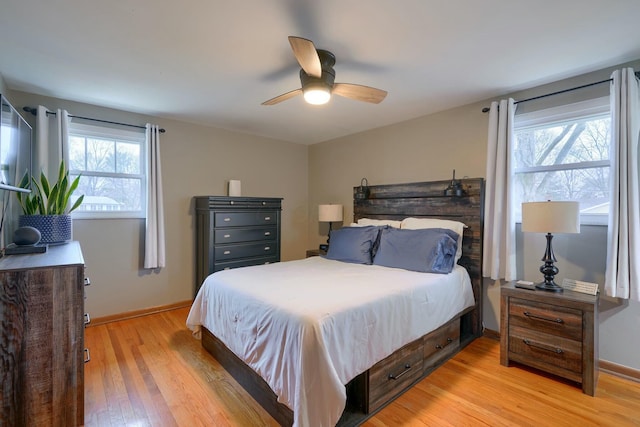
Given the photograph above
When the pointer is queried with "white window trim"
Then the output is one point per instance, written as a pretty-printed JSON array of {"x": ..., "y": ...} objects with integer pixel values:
[
  {"x": 561, "y": 114},
  {"x": 564, "y": 113},
  {"x": 125, "y": 135}
]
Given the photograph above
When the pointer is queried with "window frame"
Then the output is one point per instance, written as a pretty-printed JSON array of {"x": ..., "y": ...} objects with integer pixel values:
[
  {"x": 118, "y": 135},
  {"x": 584, "y": 110}
]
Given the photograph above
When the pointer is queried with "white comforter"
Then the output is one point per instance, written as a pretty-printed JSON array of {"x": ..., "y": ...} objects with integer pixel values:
[{"x": 310, "y": 326}]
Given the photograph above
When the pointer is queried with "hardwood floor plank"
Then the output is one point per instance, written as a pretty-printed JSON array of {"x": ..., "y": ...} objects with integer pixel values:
[{"x": 150, "y": 371}]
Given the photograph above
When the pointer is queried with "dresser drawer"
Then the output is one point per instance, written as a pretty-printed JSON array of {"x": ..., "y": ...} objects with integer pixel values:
[
  {"x": 235, "y": 235},
  {"x": 392, "y": 375},
  {"x": 227, "y": 265},
  {"x": 242, "y": 219},
  {"x": 552, "y": 319},
  {"x": 440, "y": 343},
  {"x": 551, "y": 353},
  {"x": 228, "y": 252}
]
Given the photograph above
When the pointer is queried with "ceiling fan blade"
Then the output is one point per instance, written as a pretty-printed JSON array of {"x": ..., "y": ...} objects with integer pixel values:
[
  {"x": 306, "y": 55},
  {"x": 282, "y": 97},
  {"x": 359, "y": 92}
]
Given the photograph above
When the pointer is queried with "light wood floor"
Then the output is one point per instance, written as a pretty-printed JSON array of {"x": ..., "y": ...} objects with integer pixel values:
[{"x": 149, "y": 371}]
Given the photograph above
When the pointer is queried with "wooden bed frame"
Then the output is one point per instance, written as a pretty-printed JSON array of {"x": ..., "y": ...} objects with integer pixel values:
[{"x": 372, "y": 390}]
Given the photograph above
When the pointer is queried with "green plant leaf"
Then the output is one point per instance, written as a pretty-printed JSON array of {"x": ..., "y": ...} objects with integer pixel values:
[
  {"x": 77, "y": 203},
  {"x": 46, "y": 199}
]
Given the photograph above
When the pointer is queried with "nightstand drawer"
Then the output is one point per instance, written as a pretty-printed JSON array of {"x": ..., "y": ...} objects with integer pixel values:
[
  {"x": 551, "y": 353},
  {"x": 243, "y": 219},
  {"x": 547, "y": 318},
  {"x": 235, "y": 235},
  {"x": 392, "y": 375}
]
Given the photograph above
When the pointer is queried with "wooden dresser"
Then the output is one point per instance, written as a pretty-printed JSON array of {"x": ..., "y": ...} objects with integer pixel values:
[
  {"x": 556, "y": 332},
  {"x": 42, "y": 344},
  {"x": 235, "y": 232}
]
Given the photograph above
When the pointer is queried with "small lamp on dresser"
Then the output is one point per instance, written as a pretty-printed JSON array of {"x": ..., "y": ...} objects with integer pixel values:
[
  {"x": 550, "y": 217},
  {"x": 330, "y": 214}
]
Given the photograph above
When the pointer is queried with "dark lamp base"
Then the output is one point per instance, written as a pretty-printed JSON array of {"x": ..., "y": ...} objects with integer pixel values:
[{"x": 551, "y": 287}]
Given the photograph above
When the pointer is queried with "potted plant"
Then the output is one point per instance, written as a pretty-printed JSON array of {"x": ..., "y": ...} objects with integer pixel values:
[{"x": 46, "y": 208}]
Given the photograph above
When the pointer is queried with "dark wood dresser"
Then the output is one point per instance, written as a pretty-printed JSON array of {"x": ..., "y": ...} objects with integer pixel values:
[
  {"x": 42, "y": 345},
  {"x": 556, "y": 332},
  {"x": 235, "y": 232}
]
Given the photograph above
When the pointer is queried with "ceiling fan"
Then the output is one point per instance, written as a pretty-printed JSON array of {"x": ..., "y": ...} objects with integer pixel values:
[{"x": 317, "y": 78}]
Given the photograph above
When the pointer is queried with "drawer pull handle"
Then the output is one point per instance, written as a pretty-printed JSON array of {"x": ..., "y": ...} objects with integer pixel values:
[
  {"x": 227, "y": 219},
  {"x": 87, "y": 319},
  {"x": 542, "y": 347},
  {"x": 267, "y": 218},
  {"x": 407, "y": 368},
  {"x": 440, "y": 346},
  {"x": 267, "y": 233},
  {"x": 266, "y": 248},
  {"x": 87, "y": 281},
  {"x": 226, "y": 252},
  {"x": 264, "y": 203},
  {"x": 546, "y": 319},
  {"x": 87, "y": 355},
  {"x": 226, "y": 236}
]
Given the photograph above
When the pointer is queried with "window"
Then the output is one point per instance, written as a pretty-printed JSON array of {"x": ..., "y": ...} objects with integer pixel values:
[
  {"x": 112, "y": 166},
  {"x": 562, "y": 153}
]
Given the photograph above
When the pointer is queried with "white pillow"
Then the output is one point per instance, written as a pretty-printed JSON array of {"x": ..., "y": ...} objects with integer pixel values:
[
  {"x": 419, "y": 223},
  {"x": 363, "y": 222}
]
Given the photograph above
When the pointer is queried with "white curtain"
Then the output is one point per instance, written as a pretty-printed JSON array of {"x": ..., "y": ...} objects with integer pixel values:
[
  {"x": 622, "y": 277},
  {"x": 499, "y": 250},
  {"x": 51, "y": 144},
  {"x": 154, "y": 248}
]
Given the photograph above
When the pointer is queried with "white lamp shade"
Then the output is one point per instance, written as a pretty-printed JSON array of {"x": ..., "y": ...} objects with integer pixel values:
[
  {"x": 551, "y": 217},
  {"x": 329, "y": 213}
]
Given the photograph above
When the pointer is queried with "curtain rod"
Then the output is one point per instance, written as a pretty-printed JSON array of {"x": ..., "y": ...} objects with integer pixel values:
[
  {"x": 34, "y": 111},
  {"x": 486, "y": 109}
]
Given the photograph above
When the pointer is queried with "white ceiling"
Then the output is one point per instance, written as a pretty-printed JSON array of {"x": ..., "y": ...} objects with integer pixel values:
[{"x": 213, "y": 62}]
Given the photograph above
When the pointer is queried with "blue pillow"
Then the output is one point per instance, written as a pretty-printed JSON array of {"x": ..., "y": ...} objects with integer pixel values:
[
  {"x": 429, "y": 250},
  {"x": 352, "y": 244}
]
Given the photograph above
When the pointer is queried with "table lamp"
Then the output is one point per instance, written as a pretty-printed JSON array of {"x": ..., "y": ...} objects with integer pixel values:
[
  {"x": 330, "y": 214},
  {"x": 550, "y": 217}
]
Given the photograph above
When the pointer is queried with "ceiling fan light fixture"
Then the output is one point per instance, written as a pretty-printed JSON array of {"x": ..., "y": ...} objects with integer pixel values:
[{"x": 317, "y": 95}]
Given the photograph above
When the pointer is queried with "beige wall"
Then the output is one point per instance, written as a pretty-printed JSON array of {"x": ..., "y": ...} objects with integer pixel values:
[
  {"x": 424, "y": 149},
  {"x": 428, "y": 148},
  {"x": 196, "y": 160}
]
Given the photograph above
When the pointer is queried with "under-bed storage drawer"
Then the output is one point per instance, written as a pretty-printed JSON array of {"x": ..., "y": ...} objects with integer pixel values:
[
  {"x": 441, "y": 343},
  {"x": 394, "y": 374}
]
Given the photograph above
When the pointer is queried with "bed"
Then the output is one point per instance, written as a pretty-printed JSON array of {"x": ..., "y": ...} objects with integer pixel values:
[{"x": 319, "y": 341}]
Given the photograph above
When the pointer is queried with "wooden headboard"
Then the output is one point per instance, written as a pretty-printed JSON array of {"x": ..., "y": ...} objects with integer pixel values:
[{"x": 428, "y": 200}]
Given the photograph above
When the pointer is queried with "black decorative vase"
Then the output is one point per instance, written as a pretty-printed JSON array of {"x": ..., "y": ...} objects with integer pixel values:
[{"x": 54, "y": 229}]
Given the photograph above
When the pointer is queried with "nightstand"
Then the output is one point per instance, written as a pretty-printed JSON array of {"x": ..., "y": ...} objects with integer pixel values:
[
  {"x": 315, "y": 252},
  {"x": 555, "y": 332}
]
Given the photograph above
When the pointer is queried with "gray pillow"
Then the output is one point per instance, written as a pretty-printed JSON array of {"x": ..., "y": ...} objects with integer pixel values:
[
  {"x": 352, "y": 244},
  {"x": 429, "y": 250}
]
